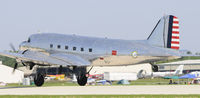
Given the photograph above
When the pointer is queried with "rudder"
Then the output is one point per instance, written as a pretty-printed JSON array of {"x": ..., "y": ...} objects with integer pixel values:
[
  {"x": 179, "y": 70},
  {"x": 166, "y": 33}
]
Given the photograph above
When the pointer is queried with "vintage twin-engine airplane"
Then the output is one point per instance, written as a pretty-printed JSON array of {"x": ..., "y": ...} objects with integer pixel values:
[{"x": 79, "y": 52}]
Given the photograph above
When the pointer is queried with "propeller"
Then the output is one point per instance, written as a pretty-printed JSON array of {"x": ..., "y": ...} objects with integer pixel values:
[
  {"x": 14, "y": 50},
  {"x": 12, "y": 47},
  {"x": 15, "y": 67},
  {"x": 16, "y": 64}
]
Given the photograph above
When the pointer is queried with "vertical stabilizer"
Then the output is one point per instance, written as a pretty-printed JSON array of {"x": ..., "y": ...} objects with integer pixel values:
[
  {"x": 166, "y": 33},
  {"x": 179, "y": 70}
]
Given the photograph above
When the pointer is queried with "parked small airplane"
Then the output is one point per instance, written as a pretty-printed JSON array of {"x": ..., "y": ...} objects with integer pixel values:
[
  {"x": 78, "y": 52},
  {"x": 178, "y": 71},
  {"x": 196, "y": 73}
]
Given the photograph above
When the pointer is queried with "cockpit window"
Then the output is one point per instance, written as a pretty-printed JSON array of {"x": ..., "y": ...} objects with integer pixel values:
[{"x": 29, "y": 40}]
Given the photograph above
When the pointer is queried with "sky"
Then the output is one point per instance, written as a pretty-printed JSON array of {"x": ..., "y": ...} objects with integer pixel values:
[{"x": 116, "y": 19}]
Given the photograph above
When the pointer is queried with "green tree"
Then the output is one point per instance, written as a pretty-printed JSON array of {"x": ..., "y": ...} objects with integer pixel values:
[{"x": 8, "y": 61}]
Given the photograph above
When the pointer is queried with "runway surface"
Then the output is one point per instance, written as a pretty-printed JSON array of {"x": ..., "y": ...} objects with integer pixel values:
[{"x": 94, "y": 90}]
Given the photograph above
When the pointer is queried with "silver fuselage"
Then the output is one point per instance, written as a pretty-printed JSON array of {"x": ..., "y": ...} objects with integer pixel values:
[{"x": 99, "y": 51}]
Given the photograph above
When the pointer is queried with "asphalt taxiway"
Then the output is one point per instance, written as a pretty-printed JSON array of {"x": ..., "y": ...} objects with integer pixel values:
[{"x": 101, "y": 90}]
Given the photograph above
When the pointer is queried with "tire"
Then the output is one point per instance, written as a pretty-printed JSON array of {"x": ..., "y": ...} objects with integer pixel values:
[
  {"x": 39, "y": 80},
  {"x": 82, "y": 80}
]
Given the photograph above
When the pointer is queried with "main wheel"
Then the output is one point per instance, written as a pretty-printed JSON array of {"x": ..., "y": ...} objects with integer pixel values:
[
  {"x": 82, "y": 80},
  {"x": 39, "y": 80},
  {"x": 81, "y": 75}
]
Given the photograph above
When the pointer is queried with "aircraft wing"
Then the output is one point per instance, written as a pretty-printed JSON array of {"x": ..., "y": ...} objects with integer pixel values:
[
  {"x": 45, "y": 59},
  {"x": 71, "y": 58}
]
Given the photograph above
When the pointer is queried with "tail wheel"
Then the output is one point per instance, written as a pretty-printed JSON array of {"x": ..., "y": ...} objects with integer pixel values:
[
  {"x": 155, "y": 68},
  {"x": 39, "y": 80}
]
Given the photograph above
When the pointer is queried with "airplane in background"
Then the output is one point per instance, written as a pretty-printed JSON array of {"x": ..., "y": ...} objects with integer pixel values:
[
  {"x": 178, "y": 71},
  {"x": 79, "y": 52},
  {"x": 196, "y": 73}
]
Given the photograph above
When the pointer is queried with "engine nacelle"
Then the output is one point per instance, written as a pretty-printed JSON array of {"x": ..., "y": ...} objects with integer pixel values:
[{"x": 30, "y": 64}]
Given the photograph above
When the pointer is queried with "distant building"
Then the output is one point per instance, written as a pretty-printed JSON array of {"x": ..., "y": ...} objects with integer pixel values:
[
  {"x": 125, "y": 69},
  {"x": 189, "y": 66},
  {"x": 7, "y": 75}
]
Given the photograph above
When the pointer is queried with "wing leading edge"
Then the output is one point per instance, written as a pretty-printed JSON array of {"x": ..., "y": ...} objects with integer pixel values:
[{"x": 44, "y": 59}]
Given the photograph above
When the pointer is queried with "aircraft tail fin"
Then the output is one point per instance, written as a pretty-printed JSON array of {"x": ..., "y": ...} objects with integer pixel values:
[
  {"x": 179, "y": 70},
  {"x": 166, "y": 33}
]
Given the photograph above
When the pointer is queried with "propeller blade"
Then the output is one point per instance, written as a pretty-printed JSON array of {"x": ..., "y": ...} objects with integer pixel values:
[
  {"x": 12, "y": 47},
  {"x": 15, "y": 67}
]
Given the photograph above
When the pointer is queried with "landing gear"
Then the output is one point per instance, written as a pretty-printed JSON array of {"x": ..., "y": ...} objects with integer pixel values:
[
  {"x": 39, "y": 79},
  {"x": 82, "y": 79},
  {"x": 81, "y": 75},
  {"x": 154, "y": 67}
]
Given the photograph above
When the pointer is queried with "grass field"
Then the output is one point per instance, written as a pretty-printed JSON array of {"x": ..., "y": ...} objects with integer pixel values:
[
  {"x": 155, "y": 81},
  {"x": 100, "y": 96},
  {"x": 180, "y": 59}
]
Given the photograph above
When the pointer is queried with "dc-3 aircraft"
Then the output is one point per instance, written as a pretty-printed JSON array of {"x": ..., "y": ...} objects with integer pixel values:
[{"x": 79, "y": 52}]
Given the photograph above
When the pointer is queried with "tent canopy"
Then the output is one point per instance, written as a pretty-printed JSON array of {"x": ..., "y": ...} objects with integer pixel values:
[
  {"x": 123, "y": 82},
  {"x": 171, "y": 77},
  {"x": 187, "y": 76}
]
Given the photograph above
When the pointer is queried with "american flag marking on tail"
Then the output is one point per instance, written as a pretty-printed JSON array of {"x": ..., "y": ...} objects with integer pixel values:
[
  {"x": 175, "y": 41},
  {"x": 166, "y": 33}
]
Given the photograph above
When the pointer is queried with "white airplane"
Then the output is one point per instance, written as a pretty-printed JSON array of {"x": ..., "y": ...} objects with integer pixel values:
[
  {"x": 196, "y": 73},
  {"x": 178, "y": 71},
  {"x": 79, "y": 52}
]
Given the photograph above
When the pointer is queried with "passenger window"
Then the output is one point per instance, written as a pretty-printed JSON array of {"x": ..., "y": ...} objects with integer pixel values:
[
  {"x": 51, "y": 45},
  {"x": 82, "y": 49},
  {"x": 66, "y": 47},
  {"x": 58, "y": 46},
  {"x": 90, "y": 49},
  {"x": 74, "y": 48}
]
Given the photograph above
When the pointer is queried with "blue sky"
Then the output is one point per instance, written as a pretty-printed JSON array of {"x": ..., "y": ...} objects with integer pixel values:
[{"x": 118, "y": 19}]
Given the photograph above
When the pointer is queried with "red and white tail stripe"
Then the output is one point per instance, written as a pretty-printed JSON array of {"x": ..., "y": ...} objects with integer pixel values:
[{"x": 175, "y": 42}]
